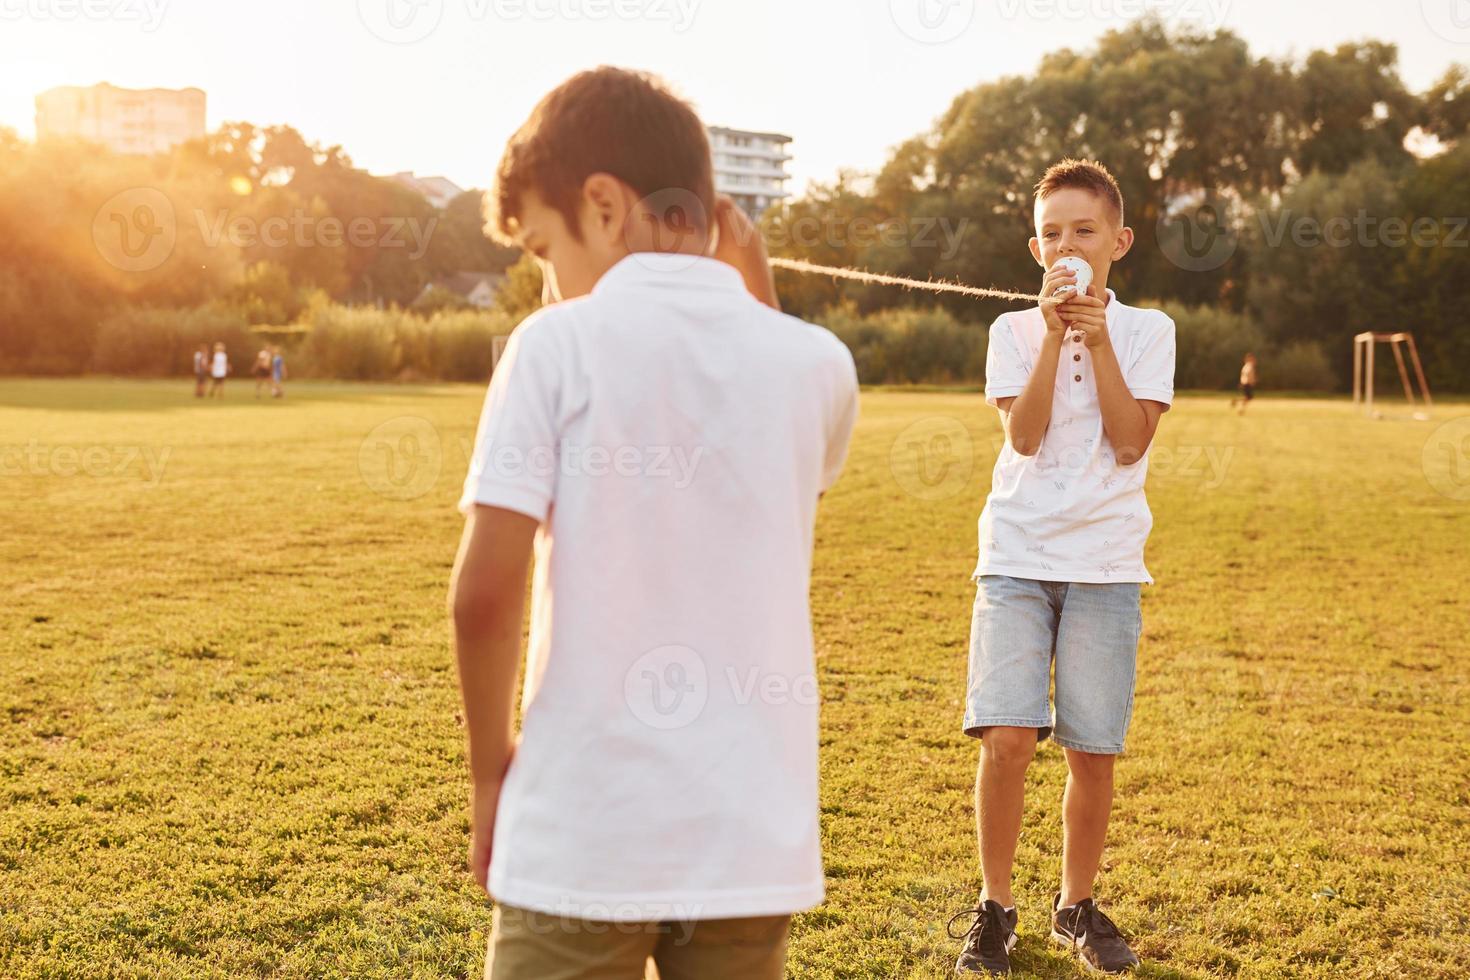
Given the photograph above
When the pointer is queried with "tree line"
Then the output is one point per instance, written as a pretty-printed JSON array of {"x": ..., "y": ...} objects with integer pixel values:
[
  {"x": 1308, "y": 199},
  {"x": 1280, "y": 206},
  {"x": 247, "y": 225}
]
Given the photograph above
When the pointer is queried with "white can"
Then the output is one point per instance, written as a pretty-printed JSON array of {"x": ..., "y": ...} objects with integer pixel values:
[{"x": 1080, "y": 269}]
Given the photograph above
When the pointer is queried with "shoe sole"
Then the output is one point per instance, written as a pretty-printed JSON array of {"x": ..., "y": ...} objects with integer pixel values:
[
  {"x": 1090, "y": 968},
  {"x": 964, "y": 971}
]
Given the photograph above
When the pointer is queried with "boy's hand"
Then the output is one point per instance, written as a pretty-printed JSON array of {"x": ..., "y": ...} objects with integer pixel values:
[
  {"x": 1056, "y": 277},
  {"x": 739, "y": 243},
  {"x": 1087, "y": 315},
  {"x": 484, "y": 802}
]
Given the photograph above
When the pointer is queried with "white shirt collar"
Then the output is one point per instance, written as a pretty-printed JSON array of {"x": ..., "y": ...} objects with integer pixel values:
[{"x": 643, "y": 269}]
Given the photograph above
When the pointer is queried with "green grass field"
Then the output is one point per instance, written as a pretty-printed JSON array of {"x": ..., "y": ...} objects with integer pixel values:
[{"x": 230, "y": 743}]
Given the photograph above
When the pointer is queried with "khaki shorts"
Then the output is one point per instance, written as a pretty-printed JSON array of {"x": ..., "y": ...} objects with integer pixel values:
[{"x": 527, "y": 945}]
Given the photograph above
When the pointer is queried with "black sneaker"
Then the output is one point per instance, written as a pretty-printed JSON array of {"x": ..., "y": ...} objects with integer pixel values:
[
  {"x": 1098, "y": 943},
  {"x": 988, "y": 941}
]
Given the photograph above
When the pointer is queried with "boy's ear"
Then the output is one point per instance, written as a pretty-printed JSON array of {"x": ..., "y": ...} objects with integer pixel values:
[
  {"x": 605, "y": 208},
  {"x": 1124, "y": 243},
  {"x": 1036, "y": 250}
]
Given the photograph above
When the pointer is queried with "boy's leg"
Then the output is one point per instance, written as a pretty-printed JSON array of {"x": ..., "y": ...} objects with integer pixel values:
[
  {"x": 527, "y": 945},
  {"x": 724, "y": 949},
  {"x": 1006, "y": 706},
  {"x": 1097, "y": 653},
  {"x": 1000, "y": 794},
  {"x": 1086, "y": 806}
]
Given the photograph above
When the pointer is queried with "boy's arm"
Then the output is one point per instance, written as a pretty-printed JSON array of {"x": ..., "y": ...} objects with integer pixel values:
[
  {"x": 487, "y": 595},
  {"x": 739, "y": 243},
  {"x": 1027, "y": 416},
  {"x": 1128, "y": 422}
]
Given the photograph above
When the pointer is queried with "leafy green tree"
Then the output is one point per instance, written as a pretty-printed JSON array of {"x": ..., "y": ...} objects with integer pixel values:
[
  {"x": 1354, "y": 108},
  {"x": 520, "y": 294},
  {"x": 1447, "y": 105}
]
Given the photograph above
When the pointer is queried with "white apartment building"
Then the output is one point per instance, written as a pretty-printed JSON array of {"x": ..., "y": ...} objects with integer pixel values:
[
  {"x": 438, "y": 191},
  {"x": 750, "y": 167},
  {"x": 141, "y": 121}
]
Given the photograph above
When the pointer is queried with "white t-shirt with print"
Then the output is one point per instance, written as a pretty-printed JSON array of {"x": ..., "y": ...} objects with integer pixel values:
[
  {"x": 1072, "y": 513},
  {"x": 672, "y": 435}
]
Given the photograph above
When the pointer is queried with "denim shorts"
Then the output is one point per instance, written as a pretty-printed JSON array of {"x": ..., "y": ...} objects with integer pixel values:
[{"x": 1089, "y": 630}]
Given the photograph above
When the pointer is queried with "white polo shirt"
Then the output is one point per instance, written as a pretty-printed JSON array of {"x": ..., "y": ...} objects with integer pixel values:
[
  {"x": 672, "y": 435},
  {"x": 1072, "y": 513}
]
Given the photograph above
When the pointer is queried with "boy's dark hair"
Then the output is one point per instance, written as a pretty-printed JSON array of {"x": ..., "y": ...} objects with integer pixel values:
[
  {"x": 607, "y": 120},
  {"x": 1087, "y": 175}
]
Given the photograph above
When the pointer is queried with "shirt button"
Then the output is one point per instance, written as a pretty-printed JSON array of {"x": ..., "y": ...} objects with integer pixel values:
[
  {"x": 1077, "y": 339},
  {"x": 1076, "y": 357},
  {"x": 1076, "y": 377}
]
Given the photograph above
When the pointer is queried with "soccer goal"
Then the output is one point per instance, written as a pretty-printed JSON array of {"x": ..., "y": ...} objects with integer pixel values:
[{"x": 1364, "y": 345}]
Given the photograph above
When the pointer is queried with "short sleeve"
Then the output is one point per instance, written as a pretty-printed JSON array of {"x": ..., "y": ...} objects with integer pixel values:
[
  {"x": 844, "y": 417},
  {"x": 1150, "y": 371},
  {"x": 514, "y": 463},
  {"x": 1005, "y": 371}
]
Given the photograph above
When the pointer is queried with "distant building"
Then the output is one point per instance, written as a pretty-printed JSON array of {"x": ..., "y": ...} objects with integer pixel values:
[
  {"x": 750, "y": 167},
  {"x": 141, "y": 121},
  {"x": 438, "y": 191},
  {"x": 475, "y": 288}
]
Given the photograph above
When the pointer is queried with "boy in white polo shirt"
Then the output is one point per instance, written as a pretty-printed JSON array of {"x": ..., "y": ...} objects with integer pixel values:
[
  {"x": 660, "y": 436},
  {"x": 1080, "y": 383}
]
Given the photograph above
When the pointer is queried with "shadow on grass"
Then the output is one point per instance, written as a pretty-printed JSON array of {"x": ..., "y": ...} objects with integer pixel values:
[{"x": 1053, "y": 963}]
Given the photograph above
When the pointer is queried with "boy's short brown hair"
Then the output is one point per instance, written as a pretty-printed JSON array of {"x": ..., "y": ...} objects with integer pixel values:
[
  {"x": 1087, "y": 175},
  {"x": 607, "y": 120}
]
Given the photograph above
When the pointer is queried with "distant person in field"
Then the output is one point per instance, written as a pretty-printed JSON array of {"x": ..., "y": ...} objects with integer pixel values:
[
  {"x": 278, "y": 373},
  {"x": 261, "y": 370},
  {"x": 1080, "y": 383},
  {"x": 658, "y": 437},
  {"x": 201, "y": 370},
  {"x": 219, "y": 369},
  {"x": 1247, "y": 383}
]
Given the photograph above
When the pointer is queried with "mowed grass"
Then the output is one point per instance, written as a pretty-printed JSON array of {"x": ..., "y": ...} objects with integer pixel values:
[{"x": 229, "y": 735}]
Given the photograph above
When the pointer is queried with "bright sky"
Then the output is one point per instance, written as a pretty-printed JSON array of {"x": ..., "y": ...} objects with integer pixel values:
[{"x": 435, "y": 86}]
